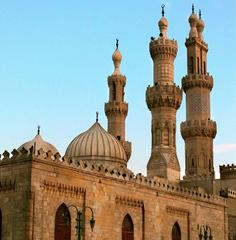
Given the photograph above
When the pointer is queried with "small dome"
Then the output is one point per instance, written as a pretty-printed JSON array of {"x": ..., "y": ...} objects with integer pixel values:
[
  {"x": 37, "y": 142},
  {"x": 163, "y": 22},
  {"x": 96, "y": 144},
  {"x": 116, "y": 57},
  {"x": 193, "y": 19}
]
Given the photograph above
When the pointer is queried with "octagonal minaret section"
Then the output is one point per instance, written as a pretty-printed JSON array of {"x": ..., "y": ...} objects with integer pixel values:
[
  {"x": 116, "y": 108},
  {"x": 198, "y": 131},
  {"x": 163, "y": 100}
]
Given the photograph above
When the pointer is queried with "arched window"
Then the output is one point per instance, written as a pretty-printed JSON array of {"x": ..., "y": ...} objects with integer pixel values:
[
  {"x": 127, "y": 228},
  {"x": 191, "y": 66},
  {"x": 176, "y": 233},
  {"x": 114, "y": 91},
  {"x": 62, "y": 223}
]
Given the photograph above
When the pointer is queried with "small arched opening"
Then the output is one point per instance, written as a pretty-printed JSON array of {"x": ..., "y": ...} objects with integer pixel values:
[
  {"x": 176, "y": 233},
  {"x": 127, "y": 228},
  {"x": 62, "y": 223}
]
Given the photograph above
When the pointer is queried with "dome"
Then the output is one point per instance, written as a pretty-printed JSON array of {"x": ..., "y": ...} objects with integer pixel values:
[
  {"x": 163, "y": 22},
  {"x": 193, "y": 19},
  {"x": 116, "y": 58},
  {"x": 38, "y": 143},
  {"x": 98, "y": 145}
]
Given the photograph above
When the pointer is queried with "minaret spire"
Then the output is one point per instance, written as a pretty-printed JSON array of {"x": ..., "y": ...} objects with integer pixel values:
[
  {"x": 198, "y": 130},
  {"x": 38, "y": 130},
  {"x": 116, "y": 108},
  {"x": 163, "y": 10},
  {"x": 163, "y": 161}
]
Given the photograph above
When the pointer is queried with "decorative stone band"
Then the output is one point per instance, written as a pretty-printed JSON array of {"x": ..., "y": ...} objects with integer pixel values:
[
  {"x": 228, "y": 171},
  {"x": 197, "y": 80},
  {"x": 116, "y": 107},
  {"x": 198, "y": 128},
  {"x": 163, "y": 96},
  {"x": 198, "y": 41},
  {"x": 177, "y": 211},
  {"x": 124, "y": 200},
  {"x": 163, "y": 48},
  {"x": 116, "y": 79},
  {"x": 53, "y": 187}
]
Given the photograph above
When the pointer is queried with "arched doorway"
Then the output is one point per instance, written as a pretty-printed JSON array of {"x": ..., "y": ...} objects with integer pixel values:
[
  {"x": 176, "y": 233},
  {"x": 62, "y": 223},
  {"x": 127, "y": 228}
]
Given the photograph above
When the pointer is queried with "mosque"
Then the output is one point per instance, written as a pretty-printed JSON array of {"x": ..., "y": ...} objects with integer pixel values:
[{"x": 89, "y": 193}]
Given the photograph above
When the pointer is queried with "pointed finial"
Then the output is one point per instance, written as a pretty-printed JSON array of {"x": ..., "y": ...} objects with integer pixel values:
[
  {"x": 193, "y": 8},
  {"x": 200, "y": 14},
  {"x": 97, "y": 113},
  {"x": 38, "y": 130},
  {"x": 163, "y": 10},
  {"x": 117, "y": 43}
]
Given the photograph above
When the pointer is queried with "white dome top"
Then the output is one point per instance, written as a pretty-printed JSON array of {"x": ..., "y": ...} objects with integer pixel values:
[
  {"x": 98, "y": 145},
  {"x": 37, "y": 142}
]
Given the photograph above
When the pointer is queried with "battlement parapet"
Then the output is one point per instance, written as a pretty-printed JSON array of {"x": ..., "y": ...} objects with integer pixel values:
[
  {"x": 163, "y": 95},
  {"x": 193, "y": 128},
  {"x": 198, "y": 41},
  {"x": 119, "y": 173},
  {"x": 163, "y": 48},
  {"x": 228, "y": 193},
  {"x": 116, "y": 107},
  {"x": 228, "y": 171},
  {"x": 197, "y": 80}
]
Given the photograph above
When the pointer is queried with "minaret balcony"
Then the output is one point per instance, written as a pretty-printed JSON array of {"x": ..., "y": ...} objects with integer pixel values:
[
  {"x": 163, "y": 48},
  {"x": 163, "y": 96},
  {"x": 198, "y": 128},
  {"x": 116, "y": 107},
  {"x": 197, "y": 80}
]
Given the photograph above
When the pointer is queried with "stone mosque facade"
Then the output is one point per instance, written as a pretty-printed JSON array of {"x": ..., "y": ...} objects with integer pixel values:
[{"x": 42, "y": 194}]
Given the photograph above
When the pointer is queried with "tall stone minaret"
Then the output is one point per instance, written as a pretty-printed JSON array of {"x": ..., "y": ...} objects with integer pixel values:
[
  {"x": 117, "y": 109},
  {"x": 163, "y": 99},
  {"x": 198, "y": 130}
]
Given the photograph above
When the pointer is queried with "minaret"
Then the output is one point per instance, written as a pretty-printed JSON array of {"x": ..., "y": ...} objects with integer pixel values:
[
  {"x": 198, "y": 130},
  {"x": 163, "y": 99},
  {"x": 116, "y": 109}
]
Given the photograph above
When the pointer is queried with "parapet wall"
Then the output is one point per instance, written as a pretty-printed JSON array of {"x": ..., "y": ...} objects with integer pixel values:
[
  {"x": 120, "y": 174},
  {"x": 228, "y": 171}
]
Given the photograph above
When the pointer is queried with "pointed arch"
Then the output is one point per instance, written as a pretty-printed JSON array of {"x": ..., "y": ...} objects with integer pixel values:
[
  {"x": 127, "y": 228},
  {"x": 62, "y": 223},
  {"x": 176, "y": 232}
]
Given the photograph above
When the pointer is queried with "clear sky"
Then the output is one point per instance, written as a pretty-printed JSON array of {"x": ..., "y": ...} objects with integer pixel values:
[{"x": 55, "y": 57}]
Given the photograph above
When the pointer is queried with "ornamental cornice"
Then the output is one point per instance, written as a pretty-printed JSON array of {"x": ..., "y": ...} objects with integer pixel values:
[
  {"x": 116, "y": 107},
  {"x": 197, "y": 80},
  {"x": 198, "y": 128},
  {"x": 120, "y": 79},
  {"x": 163, "y": 96},
  {"x": 180, "y": 212},
  {"x": 128, "y": 201},
  {"x": 57, "y": 187}
]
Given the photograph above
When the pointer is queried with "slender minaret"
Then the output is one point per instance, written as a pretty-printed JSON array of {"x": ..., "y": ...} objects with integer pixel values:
[
  {"x": 198, "y": 130},
  {"x": 116, "y": 109},
  {"x": 163, "y": 99}
]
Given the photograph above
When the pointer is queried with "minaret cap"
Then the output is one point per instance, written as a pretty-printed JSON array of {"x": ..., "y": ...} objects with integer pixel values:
[
  {"x": 193, "y": 21},
  {"x": 163, "y": 23},
  {"x": 116, "y": 58},
  {"x": 200, "y": 25}
]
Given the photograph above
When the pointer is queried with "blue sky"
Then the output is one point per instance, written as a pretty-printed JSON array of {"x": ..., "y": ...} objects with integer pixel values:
[{"x": 55, "y": 57}]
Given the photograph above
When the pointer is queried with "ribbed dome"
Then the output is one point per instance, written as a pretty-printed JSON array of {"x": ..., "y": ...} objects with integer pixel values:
[
  {"x": 96, "y": 145},
  {"x": 37, "y": 142}
]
